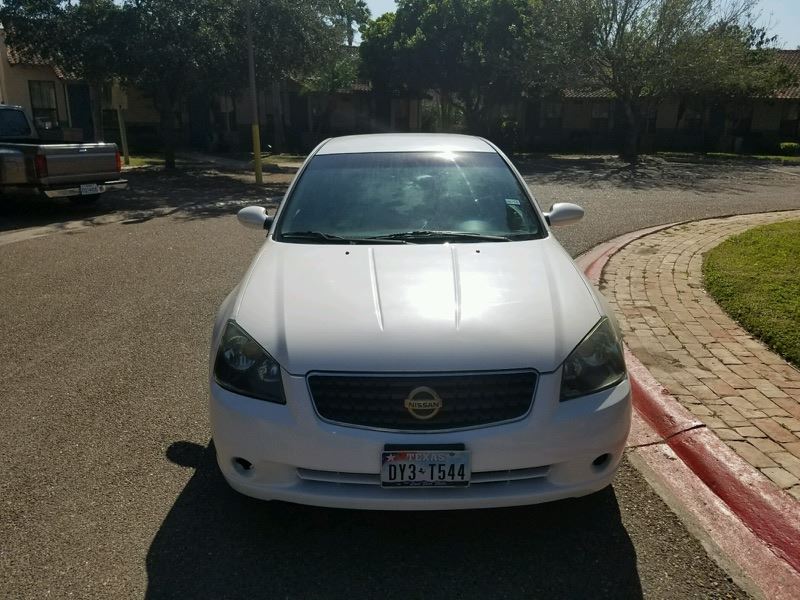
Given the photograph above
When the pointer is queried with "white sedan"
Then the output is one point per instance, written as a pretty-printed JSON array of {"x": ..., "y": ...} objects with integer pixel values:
[{"x": 412, "y": 336}]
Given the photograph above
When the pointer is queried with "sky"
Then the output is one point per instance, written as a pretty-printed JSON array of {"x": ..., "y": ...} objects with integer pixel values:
[{"x": 782, "y": 16}]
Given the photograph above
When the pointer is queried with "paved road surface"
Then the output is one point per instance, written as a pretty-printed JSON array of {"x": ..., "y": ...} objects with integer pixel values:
[{"x": 109, "y": 487}]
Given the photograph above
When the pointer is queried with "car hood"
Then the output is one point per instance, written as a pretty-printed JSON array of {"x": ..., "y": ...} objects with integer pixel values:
[{"x": 415, "y": 308}]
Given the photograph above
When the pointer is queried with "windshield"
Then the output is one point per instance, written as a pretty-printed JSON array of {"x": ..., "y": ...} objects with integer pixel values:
[
  {"x": 416, "y": 197},
  {"x": 13, "y": 123}
]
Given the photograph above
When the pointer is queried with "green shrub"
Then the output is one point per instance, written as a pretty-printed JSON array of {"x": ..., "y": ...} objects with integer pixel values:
[{"x": 789, "y": 148}]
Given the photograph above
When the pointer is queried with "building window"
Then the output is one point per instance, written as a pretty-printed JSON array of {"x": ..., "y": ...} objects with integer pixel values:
[
  {"x": 790, "y": 121},
  {"x": 600, "y": 116},
  {"x": 43, "y": 104}
]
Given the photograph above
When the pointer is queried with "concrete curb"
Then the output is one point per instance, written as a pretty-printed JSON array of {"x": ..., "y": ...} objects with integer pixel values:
[{"x": 766, "y": 511}]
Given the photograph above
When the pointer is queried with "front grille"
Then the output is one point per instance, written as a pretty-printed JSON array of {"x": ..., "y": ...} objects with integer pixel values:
[{"x": 379, "y": 401}]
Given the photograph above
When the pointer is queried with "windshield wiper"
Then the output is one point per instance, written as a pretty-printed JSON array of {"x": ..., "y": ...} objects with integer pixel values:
[
  {"x": 433, "y": 235},
  {"x": 337, "y": 239}
]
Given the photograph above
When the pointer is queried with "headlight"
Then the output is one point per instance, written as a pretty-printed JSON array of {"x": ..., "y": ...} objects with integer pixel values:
[
  {"x": 242, "y": 366},
  {"x": 597, "y": 363}
]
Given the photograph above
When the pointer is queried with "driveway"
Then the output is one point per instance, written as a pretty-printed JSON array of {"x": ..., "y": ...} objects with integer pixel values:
[{"x": 109, "y": 486}]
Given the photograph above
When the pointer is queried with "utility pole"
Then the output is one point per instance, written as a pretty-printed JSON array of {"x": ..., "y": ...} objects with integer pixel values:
[
  {"x": 253, "y": 95},
  {"x": 123, "y": 135}
]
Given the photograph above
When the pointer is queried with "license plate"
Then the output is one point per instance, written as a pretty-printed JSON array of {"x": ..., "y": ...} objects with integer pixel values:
[
  {"x": 89, "y": 188},
  {"x": 425, "y": 468}
]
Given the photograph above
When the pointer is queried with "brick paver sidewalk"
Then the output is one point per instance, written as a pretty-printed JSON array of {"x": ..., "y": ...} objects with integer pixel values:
[{"x": 746, "y": 394}]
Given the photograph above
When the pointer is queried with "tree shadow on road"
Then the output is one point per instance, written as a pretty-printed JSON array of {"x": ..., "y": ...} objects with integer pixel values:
[
  {"x": 649, "y": 173},
  {"x": 215, "y": 543},
  {"x": 193, "y": 193}
]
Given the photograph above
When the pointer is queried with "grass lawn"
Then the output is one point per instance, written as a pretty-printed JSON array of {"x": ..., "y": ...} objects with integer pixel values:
[
  {"x": 266, "y": 157},
  {"x": 146, "y": 160},
  {"x": 285, "y": 157},
  {"x": 755, "y": 277}
]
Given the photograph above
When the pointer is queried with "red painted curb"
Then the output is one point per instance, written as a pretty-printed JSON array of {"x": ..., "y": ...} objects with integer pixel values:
[
  {"x": 770, "y": 513},
  {"x": 766, "y": 510},
  {"x": 667, "y": 417}
]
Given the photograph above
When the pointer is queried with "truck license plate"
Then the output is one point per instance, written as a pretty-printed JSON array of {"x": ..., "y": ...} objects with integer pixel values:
[
  {"x": 89, "y": 188},
  {"x": 425, "y": 468}
]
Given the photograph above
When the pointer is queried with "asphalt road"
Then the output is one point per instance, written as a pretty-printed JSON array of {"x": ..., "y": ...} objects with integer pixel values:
[{"x": 109, "y": 486}]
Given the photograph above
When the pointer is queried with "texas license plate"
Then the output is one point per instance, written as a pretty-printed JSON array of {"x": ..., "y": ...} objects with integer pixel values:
[
  {"x": 425, "y": 468},
  {"x": 89, "y": 188}
]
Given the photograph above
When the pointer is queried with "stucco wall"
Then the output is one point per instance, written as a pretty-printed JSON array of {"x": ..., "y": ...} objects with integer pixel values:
[
  {"x": 667, "y": 114},
  {"x": 766, "y": 116},
  {"x": 140, "y": 108},
  {"x": 576, "y": 114},
  {"x": 15, "y": 87}
]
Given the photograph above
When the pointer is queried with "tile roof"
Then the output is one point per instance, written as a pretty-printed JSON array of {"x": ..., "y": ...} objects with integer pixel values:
[
  {"x": 356, "y": 86},
  {"x": 599, "y": 93},
  {"x": 17, "y": 58},
  {"x": 791, "y": 58}
]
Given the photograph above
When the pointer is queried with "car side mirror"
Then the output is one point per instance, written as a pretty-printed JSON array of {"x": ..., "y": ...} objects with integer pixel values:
[
  {"x": 564, "y": 213},
  {"x": 254, "y": 217}
]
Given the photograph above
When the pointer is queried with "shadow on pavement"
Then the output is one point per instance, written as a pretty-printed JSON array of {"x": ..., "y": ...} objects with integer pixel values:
[
  {"x": 650, "y": 173},
  {"x": 192, "y": 193},
  {"x": 215, "y": 543}
]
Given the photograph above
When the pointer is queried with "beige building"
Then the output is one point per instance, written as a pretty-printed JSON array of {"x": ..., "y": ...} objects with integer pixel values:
[{"x": 59, "y": 106}]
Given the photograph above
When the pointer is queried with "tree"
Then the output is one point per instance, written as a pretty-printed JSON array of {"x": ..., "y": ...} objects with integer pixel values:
[
  {"x": 174, "y": 47},
  {"x": 82, "y": 38},
  {"x": 294, "y": 38},
  {"x": 337, "y": 72},
  {"x": 379, "y": 61},
  {"x": 645, "y": 50},
  {"x": 352, "y": 15},
  {"x": 474, "y": 54},
  {"x": 171, "y": 49},
  {"x": 339, "y": 66},
  {"x": 178, "y": 47}
]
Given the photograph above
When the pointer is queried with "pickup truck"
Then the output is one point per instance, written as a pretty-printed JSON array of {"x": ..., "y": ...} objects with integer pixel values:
[{"x": 32, "y": 167}]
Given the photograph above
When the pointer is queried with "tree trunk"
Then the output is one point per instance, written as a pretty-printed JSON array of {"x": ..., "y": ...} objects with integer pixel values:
[
  {"x": 279, "y": 142},
  {"x": 168, "y": 136},
  {"x": 445, "y": 112},
  {"x": 325, "y": 122},
  {"x": 630, "y": 144},
  {"x": 96, "y": 102},
  {"x": 474, "y": 117}
]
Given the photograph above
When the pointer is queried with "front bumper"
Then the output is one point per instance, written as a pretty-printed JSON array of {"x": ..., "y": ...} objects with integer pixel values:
[
  {"x": 297, "y": 457},
  {"x": 108, "y": 186}
]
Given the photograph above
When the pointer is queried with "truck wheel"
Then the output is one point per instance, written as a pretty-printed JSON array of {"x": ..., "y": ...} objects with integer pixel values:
[{"x": 84, "y": 200}]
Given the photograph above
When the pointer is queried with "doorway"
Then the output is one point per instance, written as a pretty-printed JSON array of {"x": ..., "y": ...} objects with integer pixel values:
[{"x": 80, "y": 108}]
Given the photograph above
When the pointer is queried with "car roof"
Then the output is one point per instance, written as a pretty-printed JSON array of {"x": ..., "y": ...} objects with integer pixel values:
[{"x": 405, "y": 142}]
